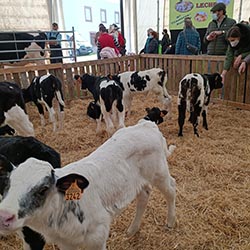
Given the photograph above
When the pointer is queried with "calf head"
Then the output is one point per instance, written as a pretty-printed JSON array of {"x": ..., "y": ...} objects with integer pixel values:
[
  {"x": 215, "y": 81},
  {"x": 155, "y": 115},
  {"x": 86, "y": 80},
  {"x": 94, "y": 110},
  {"x": 77, "y": 79},
  {"x": 24, "y": 200}
]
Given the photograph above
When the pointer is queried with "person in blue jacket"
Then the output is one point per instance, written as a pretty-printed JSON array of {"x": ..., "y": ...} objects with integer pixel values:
[{"x": 188, "y": 35}]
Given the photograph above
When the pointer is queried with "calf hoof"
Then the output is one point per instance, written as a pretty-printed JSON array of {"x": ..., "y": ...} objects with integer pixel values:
[
  {"x": 197, "y": 134},
  {"x": 205, "y": 127},
  {"x": 132, "y": 231}
]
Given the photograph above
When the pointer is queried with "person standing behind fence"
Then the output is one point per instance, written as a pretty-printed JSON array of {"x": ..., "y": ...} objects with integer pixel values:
[
  {"x": 152, "y": 43},
  {"x": 55, "y": 44},
  {"x": 239, "y": 46},
  {"x": 97, "y": 35},
  {"x": 106, "y": 44},
  {"x": 189, "y": 35},
  {"x": 215, "y": 36},
  {"x": 165, "y": 41},
  {"x": 119, "y": 39}
]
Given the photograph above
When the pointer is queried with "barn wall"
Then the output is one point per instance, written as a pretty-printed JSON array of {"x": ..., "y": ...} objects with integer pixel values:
[{"x": 24, "y": 15}]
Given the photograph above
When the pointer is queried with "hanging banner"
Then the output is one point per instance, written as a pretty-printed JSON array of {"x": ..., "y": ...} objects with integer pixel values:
[{"x": 198, "y": 10}]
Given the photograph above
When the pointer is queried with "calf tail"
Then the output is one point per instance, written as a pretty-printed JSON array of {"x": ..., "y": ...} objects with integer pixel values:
[
  {"x": 59, "y": 97},
  {"x": 170, "y": 149},
  {"x": 58, "y": 90}
]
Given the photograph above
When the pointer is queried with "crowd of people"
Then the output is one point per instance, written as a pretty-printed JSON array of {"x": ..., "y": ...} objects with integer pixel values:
[{"x": 223, "y": 37}]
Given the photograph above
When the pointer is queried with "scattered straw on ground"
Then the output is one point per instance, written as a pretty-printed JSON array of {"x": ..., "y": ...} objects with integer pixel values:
[{"x": 212, "y": 174}]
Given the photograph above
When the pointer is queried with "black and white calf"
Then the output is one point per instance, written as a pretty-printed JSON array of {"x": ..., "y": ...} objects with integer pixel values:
[
  {"x": 148, "y": 81},
  {"x": 155, "y": 115},
  {"x": 22, "y": 46},
  {"x": 15, "y": 150},
  {"x": 74, "y": 206},
  {"x": 42, "y": 91},
  {"x": 194, "y": 95},
  {"x": 108, "y": 94},
  {"x": 12, "y": 110}
]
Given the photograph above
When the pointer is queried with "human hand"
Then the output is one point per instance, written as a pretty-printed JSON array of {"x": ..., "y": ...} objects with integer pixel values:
[
  {"x": 237, "y": 62},
  {"x": 218, "y": 32},
  {"x": 212, "y": 35},
  {"x": 223, "y": 75},
  {"x": 242, "y": 67}
]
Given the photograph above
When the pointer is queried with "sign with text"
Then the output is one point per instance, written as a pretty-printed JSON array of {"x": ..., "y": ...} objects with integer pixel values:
[{"x": 198, "y": 10}]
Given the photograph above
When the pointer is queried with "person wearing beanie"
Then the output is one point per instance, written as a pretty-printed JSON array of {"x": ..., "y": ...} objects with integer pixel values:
[{"x": 215, "y": 36}]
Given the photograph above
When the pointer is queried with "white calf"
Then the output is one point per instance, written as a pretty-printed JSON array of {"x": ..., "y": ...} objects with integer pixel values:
[{"x": 98, "y": 187}]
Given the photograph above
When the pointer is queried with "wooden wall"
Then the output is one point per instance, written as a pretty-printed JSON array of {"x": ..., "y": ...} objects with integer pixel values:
[{"x": 236, "y": 88}]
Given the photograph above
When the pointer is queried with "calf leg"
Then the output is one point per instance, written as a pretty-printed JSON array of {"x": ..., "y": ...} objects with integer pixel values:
[
  {"x": 166, "y": 184},
  {"x": 32, "y": 239},
  {"x": 127, "y": 104},
  {"x": 120, "y": 113},
  {"x": 52, "y": 113},
  {"x": 142, "y": 201},
  {"x": 61, "y": 116},
  {"x": 204, "y": 115},
  {"x": 182, "y": 115},
  {"x": 96, "y": 239},
  {"x": 41, "y": 112},
  {"x": 194, "y": 118},
  {"x": 98, "y": 125},
  {"x": 109, "y": 123},
  {"x": 52, "y": 117}
]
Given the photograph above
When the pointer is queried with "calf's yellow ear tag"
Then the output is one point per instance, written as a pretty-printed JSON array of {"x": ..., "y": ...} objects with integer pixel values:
[{"x": 73, "y": 192}]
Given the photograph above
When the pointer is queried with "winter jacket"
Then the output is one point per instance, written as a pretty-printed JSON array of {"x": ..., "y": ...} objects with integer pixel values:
[
  {"x": 243, "y": 47},
  {"x": 218, "y": 46},
  {"x": 151, "y": 46},
  {"x": 165, "y": 42},
  {"x": 192, "y": 37}
]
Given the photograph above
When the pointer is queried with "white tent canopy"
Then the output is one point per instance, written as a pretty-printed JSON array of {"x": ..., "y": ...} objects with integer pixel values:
[
  {"x": 24, "y": 15},
  {"x": 30, "y": 15}
]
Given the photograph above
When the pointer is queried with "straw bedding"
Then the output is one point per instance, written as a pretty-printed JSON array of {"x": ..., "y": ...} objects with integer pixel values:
[{"x": 212, "y": 175}]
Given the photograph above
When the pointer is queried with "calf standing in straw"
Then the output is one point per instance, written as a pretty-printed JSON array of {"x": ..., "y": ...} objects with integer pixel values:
[{"x": 73, "y": 206}]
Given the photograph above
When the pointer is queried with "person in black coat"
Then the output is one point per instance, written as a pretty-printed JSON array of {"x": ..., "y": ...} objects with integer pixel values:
[{"x": 165, "y": 41}]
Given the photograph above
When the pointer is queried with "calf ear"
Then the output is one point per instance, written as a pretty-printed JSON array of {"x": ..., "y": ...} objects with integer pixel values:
[
  {"x": 110, "y": 76},
  {"x": 71, "y": 185},
  {"x": 5, "y": 165},
  {"x": 163, "y": 113},
  {"x": 147, "y": 110}
]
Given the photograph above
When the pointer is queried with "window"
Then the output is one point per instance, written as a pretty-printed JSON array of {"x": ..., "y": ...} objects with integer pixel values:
[
  {"x": 103, "y": 16},
  {"x": 88, "y": 14},
  {"x": 117, "y": 17}
]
